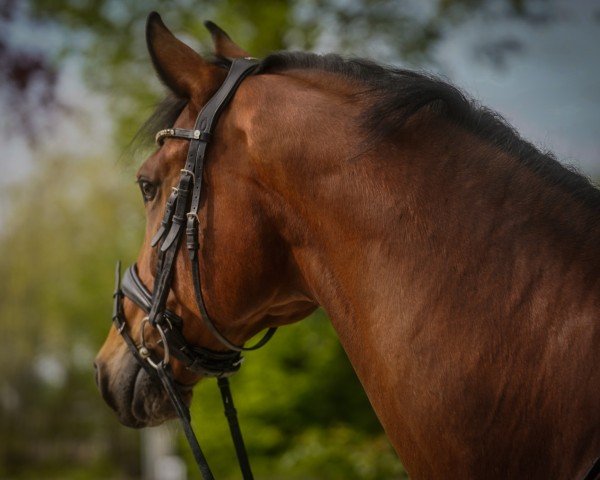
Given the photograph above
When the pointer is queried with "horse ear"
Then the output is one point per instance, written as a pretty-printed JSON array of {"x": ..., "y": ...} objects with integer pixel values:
[
  {"x": 179, "y": 67},
  {"x": 223, "y": 45}
]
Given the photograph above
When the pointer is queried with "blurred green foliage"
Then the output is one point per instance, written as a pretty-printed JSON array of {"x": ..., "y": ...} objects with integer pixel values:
[{"x": 65, "y": 227}]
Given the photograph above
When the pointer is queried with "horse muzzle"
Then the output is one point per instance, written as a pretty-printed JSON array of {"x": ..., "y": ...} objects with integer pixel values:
[{"x": 134, "y": 394}]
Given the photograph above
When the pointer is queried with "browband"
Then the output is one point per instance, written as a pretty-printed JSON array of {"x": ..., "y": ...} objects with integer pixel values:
[{"x": 183, "y": 133}]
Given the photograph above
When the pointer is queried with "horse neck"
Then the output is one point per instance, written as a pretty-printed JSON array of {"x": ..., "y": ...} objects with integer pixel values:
[{"x": 391, "y": 241}]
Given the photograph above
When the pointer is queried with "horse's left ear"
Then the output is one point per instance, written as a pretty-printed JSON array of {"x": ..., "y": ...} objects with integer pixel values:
[
  {"x": 223, "y": 45},
  {"x": 185, "y": 72}
]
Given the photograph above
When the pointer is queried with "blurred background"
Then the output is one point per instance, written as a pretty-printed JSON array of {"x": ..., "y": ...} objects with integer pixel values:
[{"x": 76, "y": 83}]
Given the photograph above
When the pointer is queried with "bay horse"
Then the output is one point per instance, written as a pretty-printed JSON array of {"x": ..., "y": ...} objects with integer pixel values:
[{"x": 459, "y": 265}]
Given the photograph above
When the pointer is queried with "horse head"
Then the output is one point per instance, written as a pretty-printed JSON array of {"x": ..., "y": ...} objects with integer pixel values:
[{"x": 249, "y": 279}]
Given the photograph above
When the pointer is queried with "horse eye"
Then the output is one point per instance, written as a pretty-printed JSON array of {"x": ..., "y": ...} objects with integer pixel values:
[{"x": 148, "y": 190}]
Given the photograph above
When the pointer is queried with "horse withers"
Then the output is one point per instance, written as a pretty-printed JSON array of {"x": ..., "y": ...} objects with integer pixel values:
[{"x": 459, "y": 265}]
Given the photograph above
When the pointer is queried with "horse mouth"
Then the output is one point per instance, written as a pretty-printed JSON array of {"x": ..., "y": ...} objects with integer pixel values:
[{"x": 140, "y": 400}]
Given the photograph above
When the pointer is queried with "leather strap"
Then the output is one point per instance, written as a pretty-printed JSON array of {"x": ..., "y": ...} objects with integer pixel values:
[
  {"x": 204, "y": 314},
  {"x": 118, "y": 319},
  {"x": 166, "y": 378},
  {"x": 181, "y": 133},
  {"x": 166, "y": 221},
  {"x": 234, "y": 428},
  {"x": 200, "y": 360},
  {"x": 593, "y": 473}
]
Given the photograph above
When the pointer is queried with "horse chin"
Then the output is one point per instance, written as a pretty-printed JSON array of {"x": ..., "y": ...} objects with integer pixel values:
[{"x": 150, "y": 404}]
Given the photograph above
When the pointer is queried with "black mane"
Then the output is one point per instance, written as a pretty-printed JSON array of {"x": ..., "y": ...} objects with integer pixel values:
[{"x": 398, "y": 94}]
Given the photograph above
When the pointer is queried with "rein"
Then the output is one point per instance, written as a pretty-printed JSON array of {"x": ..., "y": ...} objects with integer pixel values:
[{"x": 182, "y": 208}]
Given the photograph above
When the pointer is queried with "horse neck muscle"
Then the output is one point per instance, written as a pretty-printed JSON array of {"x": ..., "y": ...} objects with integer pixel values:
[{"x": 431, "y": 254}]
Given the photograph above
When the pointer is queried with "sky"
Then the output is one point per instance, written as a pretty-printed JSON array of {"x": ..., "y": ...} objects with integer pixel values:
[{"x": 548, "y": 89}]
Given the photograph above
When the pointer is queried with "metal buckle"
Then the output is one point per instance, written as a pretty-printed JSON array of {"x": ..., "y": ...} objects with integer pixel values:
[
  {"x": 144, "y": 351},
  {"x": 238, "y": 363},
  {"x": 192, "y": 215},
  {"x": 183, "y": 170}
]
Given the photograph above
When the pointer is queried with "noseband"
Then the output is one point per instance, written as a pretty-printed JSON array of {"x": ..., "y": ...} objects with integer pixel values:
[{"x": 182, "y": 208}]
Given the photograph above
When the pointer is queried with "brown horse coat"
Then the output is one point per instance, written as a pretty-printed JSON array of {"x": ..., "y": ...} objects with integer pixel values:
[{"x": 458, "y": 264}]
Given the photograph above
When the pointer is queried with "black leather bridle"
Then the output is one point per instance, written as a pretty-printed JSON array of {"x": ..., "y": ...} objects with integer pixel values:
[{"x": 182, "y": 209}]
